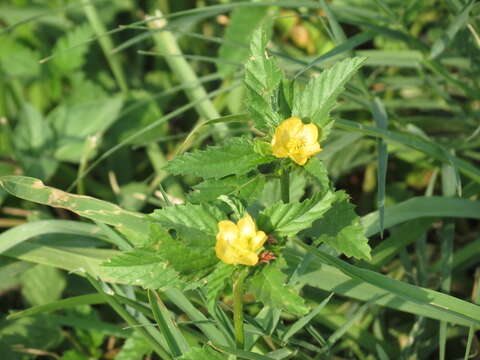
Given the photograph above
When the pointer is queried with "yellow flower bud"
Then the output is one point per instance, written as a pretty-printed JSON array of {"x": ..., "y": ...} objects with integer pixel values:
[
  {"x": 238, "y": 243},
  {"x": 295, "y": 140}
]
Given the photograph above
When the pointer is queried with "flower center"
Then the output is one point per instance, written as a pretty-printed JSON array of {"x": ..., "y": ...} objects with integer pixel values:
[{"x": 295, "y": 145}]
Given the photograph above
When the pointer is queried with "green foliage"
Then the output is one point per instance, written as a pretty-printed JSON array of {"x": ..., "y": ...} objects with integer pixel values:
[
  {"x": 242, "y": 23},
  {"x": 318, "y": 171},
  {"x": 217, "y": 281},
  {"x": 70, "y": 50},
  {"x": 340, "y": 228},
  {"x": 34, "y": 141},
  {"x": 142, "y": 267},
  {"x": 289, "y": 219},
  {"x": 91, "y": 112},
  {"x": 236, "y": 156},
  {"x": 73, "y": 123},
  {"x": 37, "y": 332},
  {"x": 244, "y": 187},
  {"x": 269, "y": 286},
  {"x": 34, "y": 190},
  {"x": 205, "y": 353},
  {"x": 134, "y": 348},
  {"x": 262, "y": 77},
  {"x": 197, "y": 224},
  {"x": 182, "y": 255},
  {"x": 17, "y": 59},
  {"x": 42, "y": 284},
  {"x": 316, "y": 101}
]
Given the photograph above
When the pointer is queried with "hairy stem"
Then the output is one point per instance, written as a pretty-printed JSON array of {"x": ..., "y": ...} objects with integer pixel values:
[
  {"x": 285, "y": 187},
  {"x": 238, "y": 308}
]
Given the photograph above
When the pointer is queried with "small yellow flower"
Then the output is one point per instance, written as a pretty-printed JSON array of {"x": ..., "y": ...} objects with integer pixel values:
[
  {"x": 239, "y": 243},
  {"x": 295, "y": 140}
]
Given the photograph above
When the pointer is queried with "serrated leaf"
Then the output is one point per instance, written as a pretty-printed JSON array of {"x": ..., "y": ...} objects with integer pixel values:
[
  {"x": 216, "y": 282},
  {"x": 269, "y": 286},
  {"x": 242, "y": 23},
  {"x": 262, "y": 77},
  {"x": 317, "y": 100},
  {"x": 340, "y": 228},
  {"x": 184, "y": 258},
  {"x": 205, "y": 353},
  {"x": 142, "y": 267},
  {"x": 134, "y": 348},
  {"x": 318, "y": 171},
  {"x": 288, "y": 219},
  {"x": 244, "y": 187},
  {"x": 236, "y": 156},
  {"x": 69, "y": 51},
  {"x": 197, "y": 224}
]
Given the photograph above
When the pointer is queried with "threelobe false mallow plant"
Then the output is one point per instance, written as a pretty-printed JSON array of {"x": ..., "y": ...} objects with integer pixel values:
[{"x": 222, "y": 238}]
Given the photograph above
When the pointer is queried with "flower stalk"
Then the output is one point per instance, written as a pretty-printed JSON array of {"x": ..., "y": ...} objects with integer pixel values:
[
  {"x": 238, "y": 289},
  {"x": 285, "y": 186}
]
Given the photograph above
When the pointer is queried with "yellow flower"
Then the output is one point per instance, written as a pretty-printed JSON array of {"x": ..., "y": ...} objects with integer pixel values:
[
  {"x": 295, "y": 140},
  {"x": 239, "y": 243}
]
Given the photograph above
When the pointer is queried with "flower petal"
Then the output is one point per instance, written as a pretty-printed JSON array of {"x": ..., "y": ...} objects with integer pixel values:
[
  {"x": 246, "y": 227},
  {"x": 309, "y": 133},
  {"x": 227, "y": 231},
  {"x": 258, "y": 240},
  {"x": 299, "y": 157},
  {"x": 292, "y": 126},
  {"x": 312, "y": 149}
]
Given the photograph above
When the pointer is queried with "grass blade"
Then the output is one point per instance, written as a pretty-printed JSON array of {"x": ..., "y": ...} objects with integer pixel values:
[{"x": 175, "y": 340}]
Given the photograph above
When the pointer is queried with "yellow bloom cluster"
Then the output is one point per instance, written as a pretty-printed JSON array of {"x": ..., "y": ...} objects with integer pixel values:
[
  {"x": 295, "y": 140},
  {"x": 239, "y": 243}
]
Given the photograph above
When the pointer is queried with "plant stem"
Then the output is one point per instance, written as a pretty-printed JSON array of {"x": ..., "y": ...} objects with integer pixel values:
[
  {"x": 167, "y": 44},
  {"x": 106, "y": 44},
  {"x": 238, "y": 308},
  {"x": 285, "y": 186}
]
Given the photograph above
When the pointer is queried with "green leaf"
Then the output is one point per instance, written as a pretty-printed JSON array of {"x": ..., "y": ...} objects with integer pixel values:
[
  {"x": 244, "y": 187},
  {"x": 317, "y": 100},
  {"x": 262, "y": 78},
  {"x": 135, "y": 224},
  {"x": 34, "y": 141},
  {"x": 417, "y": 207},
  {"x": 142, "y": 267},
  {"x": 340, "y": 228},
  {"x": 134, "y": 348},
  {"x": 269, "y": 286},
  {"x": 236, "y": 156},
  {"x": 176, "y": 343},
  {"x": 69, "y": 51},
  {"x": 272, "y": 191},
  {"x": 333, "y": 274},
  {"x": 205, "y": 353},
  {"x": 69, "y": 121},
  {"x": 197, "y": 224},
  {"x": 42, "y": 284},
  {"x": 17, "y": 59},
  {"x": 217, "y": 281},
  {"x": 37, "y": 332},
  {"x": 316, "y": 168},
  {"x": 242, "y": 23},
  {"x": 184, "y": 258},
  {"x": 289, "y": 219}
]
